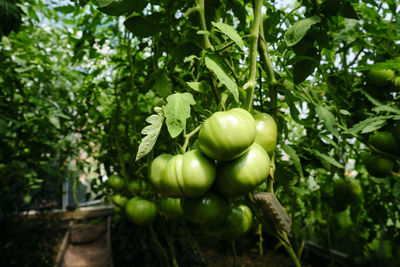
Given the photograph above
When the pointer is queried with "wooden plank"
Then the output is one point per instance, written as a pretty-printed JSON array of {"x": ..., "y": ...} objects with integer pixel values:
[{"x": 80, "y": 214}]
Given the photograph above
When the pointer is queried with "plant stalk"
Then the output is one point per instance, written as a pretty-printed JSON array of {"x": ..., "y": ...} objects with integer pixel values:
[{"x": 250, "y": 85}]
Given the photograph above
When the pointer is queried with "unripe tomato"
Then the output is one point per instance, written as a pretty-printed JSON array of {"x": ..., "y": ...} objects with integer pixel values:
[
  {"x": 396, "y": 82},
  {"x": 116, "y": 182},
  {"x": 156, "y": 167},
  {"x": 384, "y": 141},
  {"x": 209, "y": 209},
  {"x": 135, "y": 187},
  {"x": 242, "y": 175},
  {"x": 266, "y": 133},
  {"x": 171, "y": 207},
  {"x": 237, "y": 223},
  {"x": 227, "y": 135},
  {"x": 378, "y": 165},
  {"x": 380, "y": 77},
  {"x": 346, "y": 191},
  {"x": 141, "y": 211},
  {"x": 119, "y": 200},
  {"x": 187, "y": 175}
]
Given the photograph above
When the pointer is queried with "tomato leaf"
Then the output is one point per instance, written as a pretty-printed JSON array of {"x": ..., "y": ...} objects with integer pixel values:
[
  {"x": 295, "y": 33},
  {"x": 197, "y": 86},
  {"x": 293, "y": 156},
  {"x": 328, "y": 118},
  {"x": 223, "y": 77},
  {"x": 177, "y": 111},
  {"x": 163, "y": 84},
  {"x": 327, "y": 158},
  {"x": 152, "y": 132},
  {"x": 230, "y": 32}
]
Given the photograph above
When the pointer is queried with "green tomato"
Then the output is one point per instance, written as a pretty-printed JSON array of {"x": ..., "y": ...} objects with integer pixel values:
[
  {"x": 237, "y": 223},
  {"x": 396, "y": 82},
  {"x": 380, "y": 77},
  {"x": 136, "y": 187},
  {"x": 267, "y": 132},
  {"x": 119, "y": 200},
  {"x": 242, "y": 175},
  {"x": 345, "y": 192},
  {"x": 171, "y": 207},
  {"x": 227, "y": 135},
  {"x": 209, "y": 209},
  {"x": 141, "y": 211},
  {"x": 187, "y": 175},
  {"x": 156, "y": 167},
  {"x": 384, "y": 141},
  {"x": 116, "y": 182},
  {"x": 378, "y": 165}
]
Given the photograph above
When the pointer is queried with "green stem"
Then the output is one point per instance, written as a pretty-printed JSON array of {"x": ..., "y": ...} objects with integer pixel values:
[
  {"x": 261, "y": 240},
  {"x": 251, "y": 83},
  {"x": 158, "y": 244},
  {"x": 203, "y": 25},
  {"x": 234, "y": 253},
  {"x": 189, "y": 135},
  {"x": 289, "y": 249}
]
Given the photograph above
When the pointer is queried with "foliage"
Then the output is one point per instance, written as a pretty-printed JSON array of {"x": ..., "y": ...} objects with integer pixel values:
[{"x": 127, "y": 82}]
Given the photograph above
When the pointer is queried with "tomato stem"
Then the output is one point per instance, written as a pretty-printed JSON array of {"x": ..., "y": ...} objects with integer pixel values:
[
  {"x": 250, "y": 85},
  {"x": 189, "y": 135},
  {"x": 158, "y": 244}
]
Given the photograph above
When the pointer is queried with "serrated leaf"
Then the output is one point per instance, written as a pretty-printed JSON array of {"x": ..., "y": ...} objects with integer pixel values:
[
  {"x": 197, "y": 86},
  {"x": 327, "y": 158},
  {"x": 230, "y": 32},
  {"x": 163, "y": 85},
  {"x": 373, "y": 126},
  {"x": 223, "y": 77},
  {"x": 152, "y": 132},
  {"x": 293, "y": 156},
  {"x": 328, "y": 118},
  {"x": 363, "y": 124},
  {"x": 295, "y": 33},
  {"x": 177, "y": 111}
]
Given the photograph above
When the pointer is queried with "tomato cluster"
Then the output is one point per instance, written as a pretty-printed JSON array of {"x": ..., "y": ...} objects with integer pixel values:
[
  {"x": 232, "y": 160},
  {"x": 206, "y": 184}
]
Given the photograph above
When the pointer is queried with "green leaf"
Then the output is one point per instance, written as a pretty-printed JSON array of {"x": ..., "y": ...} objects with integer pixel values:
[
  {"x": 365, "y": 123},
  {"x": 295, "y": 33},
  {"x": 374, "y": 126},
  {"x": 348, "y": 11},
  {"x": 55, "y": 121},
  {"x": 293, "y": 156},
  {"x": 163, "y": 85},
  {"x": 230, "y": 32},
  {"x": 223, "y": 77},
  {"x": 138, "y": 26},
  {"x": 177, "y": 111},
  {"x": 65, "y": 9},
  {"x": 118, "y": 7},
  {"x": 197, "y": 86},
  {"x": 328, "y": 118},
  {"x": 152, "y": 132},
  {"x": 327, "y": 158}
]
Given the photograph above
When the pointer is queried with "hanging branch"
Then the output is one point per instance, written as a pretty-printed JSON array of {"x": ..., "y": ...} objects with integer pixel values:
[{"x": 250, "y": 85}]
